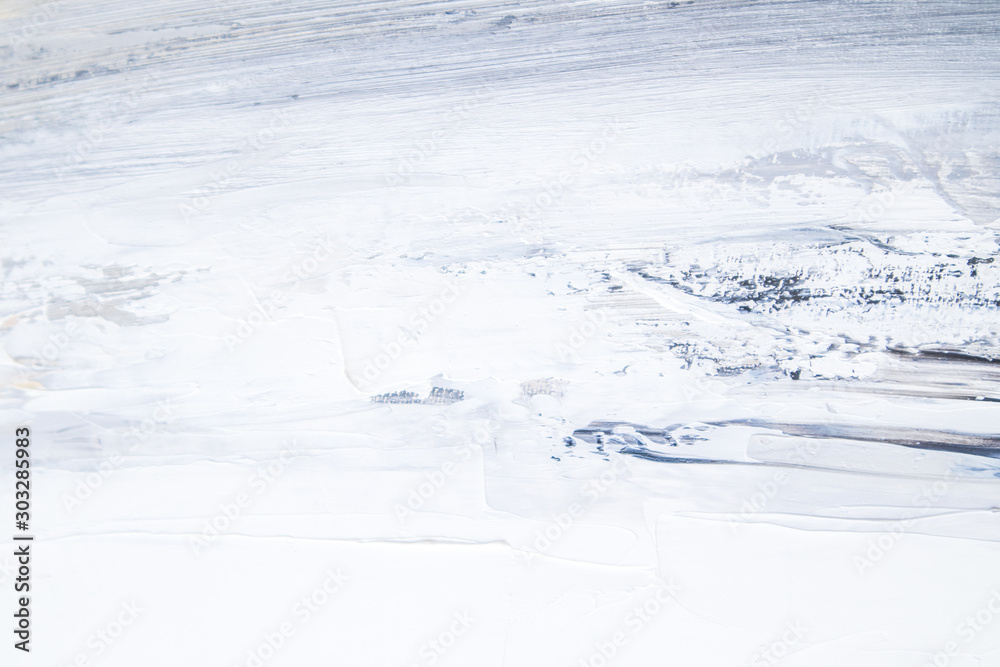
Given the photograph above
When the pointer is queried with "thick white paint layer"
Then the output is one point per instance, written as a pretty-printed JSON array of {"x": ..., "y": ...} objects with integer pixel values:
[{"x": 614, "y": 333}]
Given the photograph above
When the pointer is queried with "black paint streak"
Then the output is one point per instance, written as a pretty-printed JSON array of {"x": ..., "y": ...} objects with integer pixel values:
[
  {"x": 653, "y": 456},
  {"x": 943, "y": 441},
  {"x": 601, "y": 432},
  {"x": 947, "y": 355}
]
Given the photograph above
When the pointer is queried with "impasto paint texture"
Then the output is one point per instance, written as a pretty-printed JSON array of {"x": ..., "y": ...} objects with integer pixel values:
[{"x": 583, "y": 333}]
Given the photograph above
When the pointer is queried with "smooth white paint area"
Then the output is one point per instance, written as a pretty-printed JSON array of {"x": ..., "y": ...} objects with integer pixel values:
[{"x": 425, "y": 293}]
